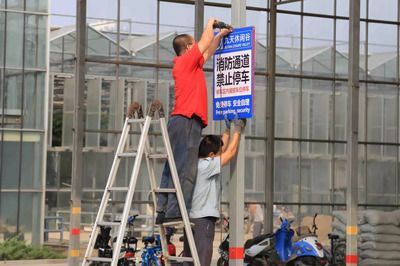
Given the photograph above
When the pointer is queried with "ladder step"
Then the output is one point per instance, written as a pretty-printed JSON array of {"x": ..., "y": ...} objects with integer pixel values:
[
  {"x": 177, "y": 224},
  {"x": 127, "y": 154},
  {"x": 136, "y": 120},
  {"x": 122, "y": 189},
  {"x": 158, "y": 156},
  {"x": 108, "y": 223},
  {"x": 165, "y": 190},
  {"x": 141, "y": 120},
  {"x": 99, "y": 259},
  {"x": 178, "y": 259}
]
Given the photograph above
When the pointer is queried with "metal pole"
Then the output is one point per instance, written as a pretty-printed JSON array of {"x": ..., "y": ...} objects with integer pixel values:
[
  {"x": 77, "y": 155},
  {"x": 198, "y": 19},
  {"x": 352, "y": 134},
  {"x": 270, "y": 121},
  {"x": 237, "y": 173}
]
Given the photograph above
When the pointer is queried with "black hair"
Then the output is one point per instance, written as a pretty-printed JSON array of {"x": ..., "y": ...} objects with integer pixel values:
[
  {"x": 210, "y": 143},
  {"x": 180, "y": 41}
]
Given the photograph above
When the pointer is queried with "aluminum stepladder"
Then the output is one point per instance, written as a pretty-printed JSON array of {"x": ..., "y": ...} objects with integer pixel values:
[{"x": 143, "y": 149}]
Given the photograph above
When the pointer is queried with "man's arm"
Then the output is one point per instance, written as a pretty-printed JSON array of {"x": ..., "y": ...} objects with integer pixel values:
[
  {"x": 234, "y": 143},
  {"x": 225, "y": 139},
  {"x": 231, "y": 149},
  {"x": 215, "y": 43},
  {"x": 207, "y": 37}
]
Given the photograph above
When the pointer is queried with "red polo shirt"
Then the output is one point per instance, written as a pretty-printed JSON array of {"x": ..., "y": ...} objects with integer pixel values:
[{"x": 190, "y": 85}]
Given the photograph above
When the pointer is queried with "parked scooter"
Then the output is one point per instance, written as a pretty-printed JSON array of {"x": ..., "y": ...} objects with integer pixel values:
[
  {"x": 256, "y": 250},
  {"x": 277, "y": 248},
  {"x": 308, "y": 249}
]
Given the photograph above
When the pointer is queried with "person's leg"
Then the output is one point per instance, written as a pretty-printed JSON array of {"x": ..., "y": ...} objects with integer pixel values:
[
  {"x": 203, "y": 232},
  {"x": 185, "y": 138}
]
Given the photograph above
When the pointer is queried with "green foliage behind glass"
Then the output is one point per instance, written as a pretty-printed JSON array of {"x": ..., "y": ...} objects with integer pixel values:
[{"x": 14, "y": 249}]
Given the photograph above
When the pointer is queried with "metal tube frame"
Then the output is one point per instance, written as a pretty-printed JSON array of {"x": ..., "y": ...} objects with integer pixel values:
[
  {"x": 237, "y": 169},
  {"x": 352, "y": 134},
  {"x": 77, "y": 154}
]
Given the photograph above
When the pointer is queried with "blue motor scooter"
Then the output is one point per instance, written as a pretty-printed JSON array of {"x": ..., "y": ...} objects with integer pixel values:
[{"x": 307, "y": 251}]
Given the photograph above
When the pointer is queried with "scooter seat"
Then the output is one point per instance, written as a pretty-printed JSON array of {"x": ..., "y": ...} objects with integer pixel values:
[{"x": 257, "y": 240}]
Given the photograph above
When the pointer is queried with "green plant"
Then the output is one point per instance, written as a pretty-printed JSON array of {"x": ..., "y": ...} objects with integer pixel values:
[{"x": 14, "y": 249}]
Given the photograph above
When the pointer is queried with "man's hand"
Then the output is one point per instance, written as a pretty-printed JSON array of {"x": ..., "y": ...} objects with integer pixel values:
[
  {"x": 225, "y": 32},
  {"x": 240, "y": 124},
  {"x": 227, "y": 122}
]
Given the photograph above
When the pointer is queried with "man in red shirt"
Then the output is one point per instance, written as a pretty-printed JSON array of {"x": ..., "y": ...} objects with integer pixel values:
[{"x": 189, "y": 115}]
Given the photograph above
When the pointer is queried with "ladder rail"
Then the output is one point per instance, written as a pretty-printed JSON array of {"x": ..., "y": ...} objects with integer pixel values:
[
  {"x": 153, "y": 186},
  {"x": 106, "y": 195},
  {"x": 131, "y": 190},
  {"x": 143, "y": 148},
  {"x": 177, "y": 185}
]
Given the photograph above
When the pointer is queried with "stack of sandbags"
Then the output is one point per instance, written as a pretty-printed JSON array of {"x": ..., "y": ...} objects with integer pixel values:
[{"x": 378, "y": 236}]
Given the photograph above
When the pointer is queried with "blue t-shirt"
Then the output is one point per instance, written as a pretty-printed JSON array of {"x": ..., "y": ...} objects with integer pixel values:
[{"x": 206, "y": 194}]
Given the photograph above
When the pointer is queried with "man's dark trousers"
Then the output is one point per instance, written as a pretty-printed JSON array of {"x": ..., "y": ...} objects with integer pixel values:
[{"x": 184, "y": 134}]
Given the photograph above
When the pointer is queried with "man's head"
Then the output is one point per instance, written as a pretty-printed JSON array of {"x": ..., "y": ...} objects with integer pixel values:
[
  {"x": 182, "y": 43},
  {"x": 210, "y": 146}
]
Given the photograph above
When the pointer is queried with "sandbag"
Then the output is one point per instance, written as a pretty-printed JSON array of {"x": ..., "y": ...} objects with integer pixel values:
[
  {"x": 339, "y": 226},
  {"x": 379, "y": 246},
  {"x": 375, "y": 217},
  {"x": 364, "y": 237},
  {"x": 378, "y": 262},
  {"x": 342, "y": 216},
  {"x": 379, "y": 229},
  {"x": 386, "y": 255}
]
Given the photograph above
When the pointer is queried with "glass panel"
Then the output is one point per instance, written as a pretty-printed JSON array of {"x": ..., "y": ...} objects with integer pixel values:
[
  {"x": 97, "y": 167},
  {"x": 382, "y": 43},
  {"x": 37, "y": 5},
  {"x": 32, "y": 158},
  {"x": 286, "y": 107},
  {"x": 342, "y": 8},
  {"x": 342, "y": 48},
  {"x": 317, "y": 43},
  {"x": 286, "y": 176},
  {"x": 8, "y": 213},
  {"x": 293, "y": 6},
  {"x": 317, "y": 107},
  {"x": 255, "y": 171},
  {"x": 381, "y": 182},
  {"x": 257, "y": 3},
  {"x": 383, "y": 9},
  {"x": 35, "y": 41},
  {"x": 319, "y": 6},
  {"x": 30, "y": 211},
  {"x": 34, "y": 100},
  {"x": 339, "y": 168},
  {"x": 2, "y": 36},
  {"x": 288, "y": 43},
  {"x": 11, "y": 160},
  {"x": 315, "y": 179},
  {"x": 15, "y": 4},
  {"x": 14, "y": 39},
  {"x": 340, "y": 124},
  {"x": 12, "y": 99}
]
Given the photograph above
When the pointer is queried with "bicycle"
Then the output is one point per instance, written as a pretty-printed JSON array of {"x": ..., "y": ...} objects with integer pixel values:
[{"x": 337, "y": 256}]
